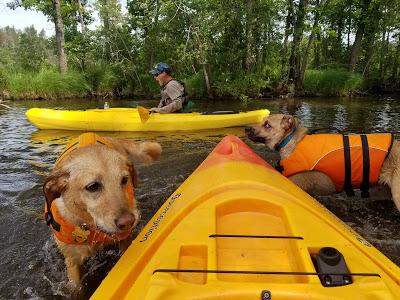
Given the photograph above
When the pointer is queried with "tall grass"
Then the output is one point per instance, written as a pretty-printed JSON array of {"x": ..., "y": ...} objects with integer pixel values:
[
  {"x": 332, "y": 82},
  {"x": 243, "y": 86},
  {"x": 101, "y": 78},
  {"x": 48, "y": 84},
  {"x": 3, "y": 80}
]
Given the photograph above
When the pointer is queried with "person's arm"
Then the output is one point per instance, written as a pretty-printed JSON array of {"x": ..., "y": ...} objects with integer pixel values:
[
  {"x": 175, "y": 105},
  {"x": 156, "y": 109}
]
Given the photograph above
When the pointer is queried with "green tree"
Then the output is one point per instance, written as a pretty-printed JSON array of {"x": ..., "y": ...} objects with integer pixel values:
[
  {"x": 31, "y": 50},
  {"x": 53, "y": 10}
]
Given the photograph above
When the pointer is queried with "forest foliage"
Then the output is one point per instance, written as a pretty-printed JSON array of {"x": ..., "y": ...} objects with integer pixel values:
[{"x": 238, "y": 49}]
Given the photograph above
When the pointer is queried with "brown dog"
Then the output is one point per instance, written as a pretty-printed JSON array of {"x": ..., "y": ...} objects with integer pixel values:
[
  {"x": 90, "y": 196},
  {"x": 284, "y": 134}
]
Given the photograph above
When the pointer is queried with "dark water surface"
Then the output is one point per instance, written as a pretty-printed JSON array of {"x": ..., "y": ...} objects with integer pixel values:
[{"x": 30, "y": 265}]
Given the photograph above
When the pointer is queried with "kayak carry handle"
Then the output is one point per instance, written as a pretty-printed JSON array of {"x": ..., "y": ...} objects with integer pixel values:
[{"x": 221, "y": 112}]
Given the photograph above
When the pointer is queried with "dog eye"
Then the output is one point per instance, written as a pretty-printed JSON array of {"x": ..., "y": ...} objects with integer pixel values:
[
  {"x": 93, "y": 187},
  {"x": 266, "y": 125},
  {"x": 124, "y": 180}
]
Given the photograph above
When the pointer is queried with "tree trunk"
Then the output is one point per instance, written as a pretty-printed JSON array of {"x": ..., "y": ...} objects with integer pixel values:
[
  {"x": 105, "y": 18},
  {"x": 294, "y": 67},
  {"x": 249, "y": 59},
  {"x": 340, "y": 29},
  {"x": 349, "y": 21},
  {"x": 395, "y": 67},
  {"x": 382, "y": 54},
  {"x": 288, "y": 31},
  {"x": 80, "y": 11},
  {"x": 59, "y": 27},
  {"x": 207, "y": 80},
  {"x": 153, "y": 34},
  {"x": 309, "y": 44},
  {"x": 355, "y": 51},
  {"x": 317, "y": 51}
]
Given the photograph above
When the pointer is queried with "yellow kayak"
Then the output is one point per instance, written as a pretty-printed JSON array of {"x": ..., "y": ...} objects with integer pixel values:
[
  {"x": 128, "y": 119},
  {"x": 238, "y": 229}
]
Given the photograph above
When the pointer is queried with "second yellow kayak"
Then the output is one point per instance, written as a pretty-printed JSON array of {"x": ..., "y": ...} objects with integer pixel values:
[
  {"x": 237, "y": 229},
  {"x": 128, "y": 119}
]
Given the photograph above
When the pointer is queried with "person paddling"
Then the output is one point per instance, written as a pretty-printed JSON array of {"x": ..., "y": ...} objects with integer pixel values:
[{"x": 173, "y": 94}]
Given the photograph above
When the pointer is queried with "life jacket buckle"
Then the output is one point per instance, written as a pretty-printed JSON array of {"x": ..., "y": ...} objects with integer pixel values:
[{"x": 48, "y": 217}]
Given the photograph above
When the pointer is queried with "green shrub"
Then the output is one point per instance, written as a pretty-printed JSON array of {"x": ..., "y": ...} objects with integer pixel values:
[
  {"x": 249, "y": 85},
  {"x": 48, "y": 84},
  {"x": 3, "y": 80},
  {"x": 195, "y": 85},
  {"x": 331, "y": 82},
  {"x": 101, "y": 78}
]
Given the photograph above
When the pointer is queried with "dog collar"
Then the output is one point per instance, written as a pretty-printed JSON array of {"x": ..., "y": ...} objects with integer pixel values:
[
  {"x": 285, "y": 141},
  {"x": 81, "y": 235}
]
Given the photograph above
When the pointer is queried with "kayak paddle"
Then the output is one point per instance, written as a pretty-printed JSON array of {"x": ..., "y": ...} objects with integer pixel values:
[{"x": 144, "y": 113}]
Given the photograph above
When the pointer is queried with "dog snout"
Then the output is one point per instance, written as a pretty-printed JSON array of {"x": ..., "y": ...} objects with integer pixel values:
[
  {"x": 249, "y": 130},
  {"x": 125, "y": 221},
  {"x": 253, "y": 136}
]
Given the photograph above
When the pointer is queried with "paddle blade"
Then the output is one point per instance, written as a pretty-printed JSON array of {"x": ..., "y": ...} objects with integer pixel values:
[{"x": 144, "y": 113}]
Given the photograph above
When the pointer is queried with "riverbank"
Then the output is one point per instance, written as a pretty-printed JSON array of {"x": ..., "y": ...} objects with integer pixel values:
[{"x": 50, "y": 84}]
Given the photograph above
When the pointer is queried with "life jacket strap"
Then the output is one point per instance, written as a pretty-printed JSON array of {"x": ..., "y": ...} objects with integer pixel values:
[
  {"x": 366, "y": 167},
  {"x": 347, "y": 167},
  {"x": 279, "y": 167}
]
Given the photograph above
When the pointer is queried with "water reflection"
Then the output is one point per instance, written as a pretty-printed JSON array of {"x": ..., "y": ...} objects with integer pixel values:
[
  {"x": 340, "y": 121},
  {"x": 303, "y": 112},
  {"x": 45, "y": 140},
  {"x": 385, "y": 119},
  {"x": 27, "y": 155}
]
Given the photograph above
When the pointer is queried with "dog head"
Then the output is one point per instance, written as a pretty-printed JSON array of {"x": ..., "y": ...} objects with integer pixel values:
[
  {"x": 93, "y": 183},
  {"x": 272, "y": 130}
]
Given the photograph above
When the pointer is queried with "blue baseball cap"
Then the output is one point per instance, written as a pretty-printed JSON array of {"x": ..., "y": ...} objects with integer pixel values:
[{"x": 159, "y": 68}]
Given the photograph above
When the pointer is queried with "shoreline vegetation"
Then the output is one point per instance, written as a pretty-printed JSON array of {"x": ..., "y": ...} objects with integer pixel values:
[
  {"x": 50, "y": 84},
  {"x": 245, "y": 50}
]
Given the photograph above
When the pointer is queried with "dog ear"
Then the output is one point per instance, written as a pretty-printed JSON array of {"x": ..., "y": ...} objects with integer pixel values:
[
  {"x": 133, "y": 174},
  {"x": 145, "y": 152},
  {"x": 55, "y": 184},
  {"x": 149, "y": 151},
  {"x": 288, "y": 122}
]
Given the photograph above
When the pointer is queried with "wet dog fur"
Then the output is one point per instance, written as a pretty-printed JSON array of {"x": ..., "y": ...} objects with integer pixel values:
[
  {"x": 89, "y": 187},
  {"x": 274, "y": 128}
]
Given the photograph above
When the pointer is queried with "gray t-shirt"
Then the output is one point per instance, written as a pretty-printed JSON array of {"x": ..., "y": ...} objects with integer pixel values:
[{"x": 172, "y": 97}]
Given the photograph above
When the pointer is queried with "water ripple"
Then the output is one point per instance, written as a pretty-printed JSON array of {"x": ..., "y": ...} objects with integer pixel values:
[{"x": 32, "y": 267}]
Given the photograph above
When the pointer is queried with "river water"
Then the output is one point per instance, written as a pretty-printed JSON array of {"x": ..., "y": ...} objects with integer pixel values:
[{"x": 31, "y": 266}]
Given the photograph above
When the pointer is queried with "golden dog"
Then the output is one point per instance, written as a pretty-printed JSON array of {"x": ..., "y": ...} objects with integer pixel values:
[
  {"x": 90, "y": 196},
  {"x": 284, "y": 134}
]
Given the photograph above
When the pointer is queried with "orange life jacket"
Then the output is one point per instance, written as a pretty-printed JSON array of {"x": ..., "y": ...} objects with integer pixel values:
[
  {"x": 326, "y": 153},
  {"x": 70, "y": 233}
]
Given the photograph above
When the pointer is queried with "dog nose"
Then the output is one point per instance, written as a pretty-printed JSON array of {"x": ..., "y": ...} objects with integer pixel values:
[
  {"x": 125, "y": 221},
  {"x": 248, "y": 129}
]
